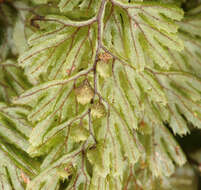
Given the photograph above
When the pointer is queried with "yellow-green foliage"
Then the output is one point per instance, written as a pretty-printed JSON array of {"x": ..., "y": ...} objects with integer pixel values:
[{"x": 92, "y": 93}]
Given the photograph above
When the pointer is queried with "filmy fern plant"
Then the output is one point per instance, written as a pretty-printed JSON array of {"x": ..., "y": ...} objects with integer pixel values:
[{"x": 92, "y": 92}]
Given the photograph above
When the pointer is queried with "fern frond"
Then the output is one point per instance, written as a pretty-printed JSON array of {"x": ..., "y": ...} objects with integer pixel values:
[{"x": 111, "y": 82}]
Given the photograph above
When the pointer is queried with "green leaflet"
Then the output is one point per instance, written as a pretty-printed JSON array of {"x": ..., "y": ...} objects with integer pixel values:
[
  {"x": 16, "y": 167},
  {"x": 14, "y": 126},
  {"x": 126, "y": 88},
  {"x": 80, "y": 179},
  {"x": 99, "y": 158},
  {"x": 62, "y": 56},
  {"x": 163, "y": 154},
  {"x": 11, "y": 155},
  {"x": 50, "y": 181},
  {"x": 191, "y": 23},
  {"x": 106, "y": 133},
  {"x": 183, "y": 94},
  {"x": 112, "y": 91},
  {"x": 7, "y": 172},
  {"x": 115, "y": 144},
  {"x": 188, "y": 60},
  {"x": 54, "y": 108},
  {"x": 53, "y": 103},
  {"x": 140, "y": 30},
  {"x": 162, "y": 150}
]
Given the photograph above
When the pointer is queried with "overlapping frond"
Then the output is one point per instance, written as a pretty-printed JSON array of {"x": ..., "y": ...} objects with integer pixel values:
[
  {"x": 188, "y": 60},
  {"x": 138, "y": 31},
  {"x": 62, "y": 56},
  {"x": 183, "y": 93},
  {"x": 54, "y": 107},
  {"x": 12, "y": 80},
  {"x": 16, "y": 167}
]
